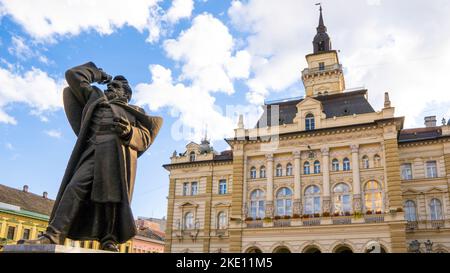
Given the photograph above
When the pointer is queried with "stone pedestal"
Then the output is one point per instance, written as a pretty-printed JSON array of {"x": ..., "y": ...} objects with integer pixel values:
[{"x": 48, "y": 249}]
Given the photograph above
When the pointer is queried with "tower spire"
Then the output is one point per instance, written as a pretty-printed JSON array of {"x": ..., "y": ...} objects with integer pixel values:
[
  {"x": 321, "y": 28},
  {"x": 321, "y": 41}
]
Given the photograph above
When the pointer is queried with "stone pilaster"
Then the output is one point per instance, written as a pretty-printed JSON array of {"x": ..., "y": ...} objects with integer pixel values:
[
  {"x": 447, "y": 165},
  {"x": 269, "y": 175},
  {"x": 326, "y": 179},
  {"x": 169, "y": 224},
  {"x": 398, "y": 237},
  {"x": 269, "y": 209},
  {"x": 236, "y": 199},
  {"x": 297, "y": 182},
  {"x": 393, "y": 173},
  {"x": 297, "y": 207},
  {"x": 208, "y": 212},
  {"x": 356, "y": 178}
]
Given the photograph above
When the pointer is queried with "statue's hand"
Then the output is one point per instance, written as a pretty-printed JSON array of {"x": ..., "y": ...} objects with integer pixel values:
[
  {"x": 106, "y": 78},
  {"x": 122, "y": 127}
]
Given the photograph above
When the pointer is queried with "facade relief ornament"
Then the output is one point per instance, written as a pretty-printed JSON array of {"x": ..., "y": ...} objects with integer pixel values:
[
  {"x": 326, "y": 204},
  {"x": 297, "y": 209},
  {"x": 269, "y": 209},
  {"x": 357, "y": 203},
  {"x": 354, "y": 148}
]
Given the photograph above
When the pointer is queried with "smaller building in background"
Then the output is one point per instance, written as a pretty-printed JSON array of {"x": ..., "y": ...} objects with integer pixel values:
[
  {"x": 25, "y": 215},
  {"x": 150, "y": 235}
]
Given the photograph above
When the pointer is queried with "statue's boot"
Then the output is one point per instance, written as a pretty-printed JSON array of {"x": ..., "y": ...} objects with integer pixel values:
[
  {"x": 109, "y": 246},
  {"x": 42, "y": 240}
]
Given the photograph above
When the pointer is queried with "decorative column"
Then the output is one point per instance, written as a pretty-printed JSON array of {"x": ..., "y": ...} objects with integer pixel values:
[
  {"x": 326, "y": 179},
  {"x": 356, "y": 178},
  {"x": 244, "y": 190},
  {"x": 33, "y": 234},
  {"x": 3, "y": 228},
  {"x": 297, "y": 209},
  {"x": 269, "y": 191},
  {"x": 18, "y": 234}
]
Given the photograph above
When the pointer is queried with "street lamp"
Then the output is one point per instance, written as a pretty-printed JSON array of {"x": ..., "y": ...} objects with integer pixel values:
[{"x": 414, "y": 246}]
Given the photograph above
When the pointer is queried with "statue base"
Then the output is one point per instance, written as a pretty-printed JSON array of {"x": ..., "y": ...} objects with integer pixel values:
[{"x": 49, "y": 249}]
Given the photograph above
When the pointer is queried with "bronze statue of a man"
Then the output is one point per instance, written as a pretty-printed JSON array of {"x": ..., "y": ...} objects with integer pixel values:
[{"x": 93, "y": 201}]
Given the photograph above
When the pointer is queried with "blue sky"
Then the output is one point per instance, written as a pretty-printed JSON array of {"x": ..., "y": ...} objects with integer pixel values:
[{"x": 199, "y": 63}]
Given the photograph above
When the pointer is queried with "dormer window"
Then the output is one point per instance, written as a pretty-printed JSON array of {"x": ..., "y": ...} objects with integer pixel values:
[
  {"x": 192, "y": 156},
  {"x": 309, "y": 122}
]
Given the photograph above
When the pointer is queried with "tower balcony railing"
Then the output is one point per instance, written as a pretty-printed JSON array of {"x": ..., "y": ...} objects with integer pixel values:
[{"x": 327, "y": 68}]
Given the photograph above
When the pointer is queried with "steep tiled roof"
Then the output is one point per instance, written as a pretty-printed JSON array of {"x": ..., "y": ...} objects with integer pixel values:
[
  {"x": 26, "y": 200},
  {"x": 416, "y": 134},
  {"x": 338, "y": 105},
  {"x": 151, "y": 234},
  {"x": 225, "y": 155}
]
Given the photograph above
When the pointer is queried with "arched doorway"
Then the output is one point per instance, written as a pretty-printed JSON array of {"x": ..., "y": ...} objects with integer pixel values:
[
  {"x": 312, "y": 249},
  {"x": 342, "y": 249},
  {"x": 253, "y": 249},
  {"x": 281, "y": 249}
]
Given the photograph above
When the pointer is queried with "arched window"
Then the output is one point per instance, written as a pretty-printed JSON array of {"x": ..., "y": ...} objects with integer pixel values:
[
  {"x": 192, "y": 156},
  {"x": 309, "y": 122},
  {"x": 335, "y": 165},
  {"x": 306, "y": 169},
  {"x": 279, "y": 170},
  {"x": 346, "y": 164},
  {"x": 289, "y": 169},
  {"x": 284, "y": 202},
  {"x": 189, "y": 220},
  {"x": 435, "y": 209},
  {"x": 257, "y": 205},
  {"x": 365, "y": 162},
  {"x": 377, "y": 161},
  {"x": 373, "y": 197},
  {"x": 410, "y": 211},
  {"x": 222, "y": 222},
  {"x": 252, "y": 172},
  {"x": 312, "y": 200},
  {"x": 262, "y": 172},
  {"x": 341, "y": 199},
  {"x": 316, "y": 166}
]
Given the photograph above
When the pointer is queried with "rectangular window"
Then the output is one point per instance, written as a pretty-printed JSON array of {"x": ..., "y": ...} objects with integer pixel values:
[
  {"x": 431, "y": 169},
  {"x": 222, "y": 186},
  {"x": 321, "y": 66},
  {"x": 194, "y": 188},
  {"x": 185, "y": 188},
  {"x": 11, "y": 233},
  {"x": 406, "y": 171},
  {"x": 26, "y": 234}
]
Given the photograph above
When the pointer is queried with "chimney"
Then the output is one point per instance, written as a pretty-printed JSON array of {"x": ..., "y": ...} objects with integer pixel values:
[
  {"x": 430, "y": 121},
  {"x": 44, "y": 195},
  {"x": 25, "y": 188}
]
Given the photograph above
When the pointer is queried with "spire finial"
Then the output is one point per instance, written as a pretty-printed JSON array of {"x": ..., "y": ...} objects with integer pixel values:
[{"x": 321, "y": 28}]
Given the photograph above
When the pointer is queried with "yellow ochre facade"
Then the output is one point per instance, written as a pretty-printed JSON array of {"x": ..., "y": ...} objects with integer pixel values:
[{"x": 324, "y": 173}]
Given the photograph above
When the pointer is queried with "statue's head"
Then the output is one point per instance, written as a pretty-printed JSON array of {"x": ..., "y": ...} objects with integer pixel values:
[{"x": 119, "y": 88}]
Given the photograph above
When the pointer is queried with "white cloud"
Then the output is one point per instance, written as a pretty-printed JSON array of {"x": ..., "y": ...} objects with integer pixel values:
[
  {"x": 53, "y": 133},
  {"x": 47, "y": 19},
  {"x": 22, "y": 51},
  {"x": 205, "y": 50},
  {"x": 394, "y": 46},
  {"x": 9, "y": 146},
  {"x": 209, "y": 63},
  {"x": 180, "y": 9},
  {"x": 34, "y": 88},
  {"x": 194, "y": 106}
]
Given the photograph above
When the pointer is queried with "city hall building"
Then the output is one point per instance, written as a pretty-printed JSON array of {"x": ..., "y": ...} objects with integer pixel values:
[{"x": 325, "y": 173}]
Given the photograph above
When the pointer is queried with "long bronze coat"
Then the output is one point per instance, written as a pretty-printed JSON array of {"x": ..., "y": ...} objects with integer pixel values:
[{"x": 115, "y": 160}]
